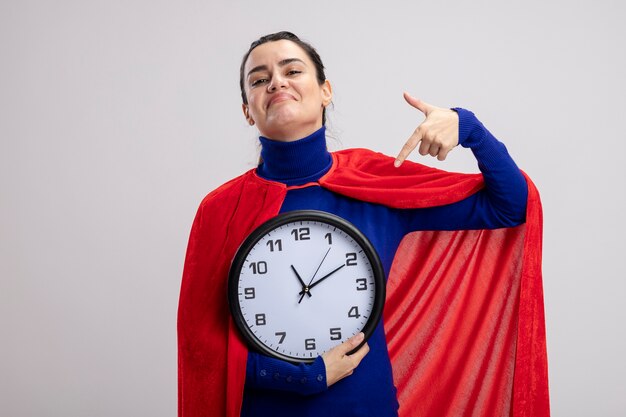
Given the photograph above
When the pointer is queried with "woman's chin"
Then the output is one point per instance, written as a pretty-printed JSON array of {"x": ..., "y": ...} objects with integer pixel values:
[
  {"x": 283, "y": 115},
  {"x": 283, "y": 123},
  {"x": 288, "y": 124}
]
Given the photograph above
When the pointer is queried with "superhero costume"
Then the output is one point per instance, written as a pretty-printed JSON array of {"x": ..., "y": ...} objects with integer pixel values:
[{"x": 355, "y": 173}]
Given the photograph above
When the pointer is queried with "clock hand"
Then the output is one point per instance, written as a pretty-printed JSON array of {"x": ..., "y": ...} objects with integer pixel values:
[
  {"x": 319, "y": 280},
  {"x": 304, "y": 287},
  {"x": 313, "y": 277},
  {"x": 319, "y": 266},
  {"x": 326, "y": 276}
]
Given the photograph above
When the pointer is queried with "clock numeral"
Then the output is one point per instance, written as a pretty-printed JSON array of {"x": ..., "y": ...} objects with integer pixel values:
[
  {"x": 354, "y": 312},
  {"x": 260, "y": 319},
  {"x": 281, "y": 335},
  {"x": 351, "y": 259},
  {"x": 277, "y": 244},
  {"x": 249, "y": 293},
  {"x": 309, "y": 344},
  {"x": 329, "y": 237},
  {"x": 259, "y": 267},
  {"x": 362, "y": 284},
  {"x": 302, "y": 233},
  {"x": 335, "y": 333}
]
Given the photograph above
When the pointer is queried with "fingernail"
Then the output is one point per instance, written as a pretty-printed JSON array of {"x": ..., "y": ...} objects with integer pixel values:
[
  {"x": 359, "y": 337},
  {"x": 397, "y": 163}
]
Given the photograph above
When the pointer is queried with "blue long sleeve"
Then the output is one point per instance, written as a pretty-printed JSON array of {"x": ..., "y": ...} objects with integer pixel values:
[
  {"x": 502, "y": 203},
  {"x": 278, "y": 388},
  {"x": 270, "y": 373}
]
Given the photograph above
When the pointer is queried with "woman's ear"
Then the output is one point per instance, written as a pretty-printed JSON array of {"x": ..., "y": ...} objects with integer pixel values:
[
  {"x": 327, "y": 93},
  {"x": 246, "y": 114}
]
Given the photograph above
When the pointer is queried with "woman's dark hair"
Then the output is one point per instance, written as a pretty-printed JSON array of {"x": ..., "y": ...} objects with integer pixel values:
[{"x": 278, "y": 36}]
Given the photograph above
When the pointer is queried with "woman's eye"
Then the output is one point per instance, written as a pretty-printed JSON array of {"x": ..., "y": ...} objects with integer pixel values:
[
  {"x": 293, "y": 72},
  {"x": 259, "y": 81}
]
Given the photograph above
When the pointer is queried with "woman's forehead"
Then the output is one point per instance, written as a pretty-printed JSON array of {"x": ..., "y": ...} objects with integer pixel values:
[{"x": 274, "y": 52}]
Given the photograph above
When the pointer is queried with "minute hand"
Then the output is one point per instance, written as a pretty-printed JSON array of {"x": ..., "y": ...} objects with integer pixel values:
[{"x": 324, "y": 277}]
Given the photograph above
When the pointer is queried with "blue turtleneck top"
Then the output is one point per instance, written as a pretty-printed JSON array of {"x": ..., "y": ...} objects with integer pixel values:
[{"x": 277, "y": 388}]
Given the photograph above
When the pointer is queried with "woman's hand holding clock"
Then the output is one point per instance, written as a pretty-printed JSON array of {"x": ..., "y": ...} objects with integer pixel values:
[{"x": 340, "y": 365}]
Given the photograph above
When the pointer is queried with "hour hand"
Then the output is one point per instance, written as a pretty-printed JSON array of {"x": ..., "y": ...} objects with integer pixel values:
[{"x": 305, "y": 289}]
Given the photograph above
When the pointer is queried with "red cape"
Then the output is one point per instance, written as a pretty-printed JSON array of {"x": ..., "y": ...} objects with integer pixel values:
[{"x": 463, "y": 317}]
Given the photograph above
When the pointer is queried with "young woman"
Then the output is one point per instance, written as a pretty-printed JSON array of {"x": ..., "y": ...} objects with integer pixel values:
[{"x": 285, "y": 94}]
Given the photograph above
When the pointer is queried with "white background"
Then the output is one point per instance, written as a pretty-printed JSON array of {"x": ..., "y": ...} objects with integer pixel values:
[{"x": 117, "y": 117}]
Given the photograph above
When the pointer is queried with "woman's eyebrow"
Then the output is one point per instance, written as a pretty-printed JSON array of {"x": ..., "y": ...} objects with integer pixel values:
[{"x": 280, "y": 64}]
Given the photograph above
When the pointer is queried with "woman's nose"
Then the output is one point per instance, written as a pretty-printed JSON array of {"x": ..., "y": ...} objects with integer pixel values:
[{"x": 278, "y": 81}]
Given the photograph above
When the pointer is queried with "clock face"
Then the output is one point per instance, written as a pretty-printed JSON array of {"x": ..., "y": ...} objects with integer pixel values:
[{"x": 303, "y": 283}]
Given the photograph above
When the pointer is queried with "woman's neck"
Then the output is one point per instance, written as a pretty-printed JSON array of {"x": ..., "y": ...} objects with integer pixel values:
[{"x": 297, "y": 162}]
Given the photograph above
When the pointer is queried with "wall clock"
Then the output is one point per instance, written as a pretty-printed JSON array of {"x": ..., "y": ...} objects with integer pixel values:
[{"x": 304, "y": 282}]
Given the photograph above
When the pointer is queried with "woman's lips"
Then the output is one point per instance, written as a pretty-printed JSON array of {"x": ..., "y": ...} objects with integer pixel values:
[{"x": 280, "y": 97}]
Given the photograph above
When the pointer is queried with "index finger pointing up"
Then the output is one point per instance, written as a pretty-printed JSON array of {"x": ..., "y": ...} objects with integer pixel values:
[{"x": 418, "y": 104}]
